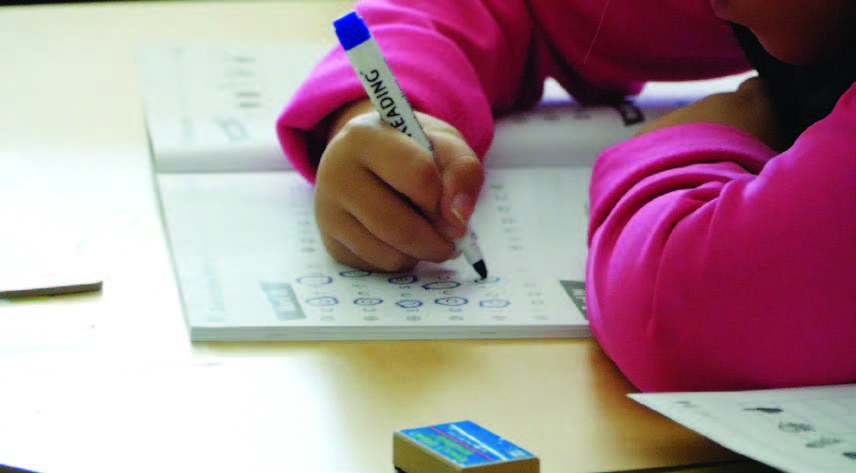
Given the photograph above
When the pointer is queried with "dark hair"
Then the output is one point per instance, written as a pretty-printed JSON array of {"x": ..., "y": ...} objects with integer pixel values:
[{"x": 802, "y": 94}]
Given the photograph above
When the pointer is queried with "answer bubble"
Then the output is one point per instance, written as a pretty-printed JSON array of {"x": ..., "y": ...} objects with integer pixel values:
[
  {"x": 451, "y": 301},
  {"x": 441, "y": 285},
  {"x": 409, "y": 279},
  {"x": 315, "y": 280},
  {"x": 322, "y": 301},
  {"x": 365, "y": 301},
  {"x": 409, "y": 303},
  {"x": 494, "y": 303},
  {"x": 354, "y": 273},
  {"x": 488, "y": 280}
]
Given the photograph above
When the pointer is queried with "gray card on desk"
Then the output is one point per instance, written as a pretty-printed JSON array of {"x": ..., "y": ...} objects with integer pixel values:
[{"x": 42, "y": 245}]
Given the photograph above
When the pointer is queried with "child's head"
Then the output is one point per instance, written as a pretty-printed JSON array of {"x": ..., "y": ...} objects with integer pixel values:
[{"x": 799, "y": 32}]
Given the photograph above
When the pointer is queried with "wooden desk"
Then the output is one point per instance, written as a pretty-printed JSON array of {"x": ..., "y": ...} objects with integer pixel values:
[{"x": 71, "y": 104}]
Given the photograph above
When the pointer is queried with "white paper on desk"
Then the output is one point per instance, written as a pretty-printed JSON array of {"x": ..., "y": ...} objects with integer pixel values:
[{"x": 804, "y": 430}]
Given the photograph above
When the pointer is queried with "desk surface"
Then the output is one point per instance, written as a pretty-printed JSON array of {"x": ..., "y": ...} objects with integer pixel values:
[{"x": 72, "y": 107}]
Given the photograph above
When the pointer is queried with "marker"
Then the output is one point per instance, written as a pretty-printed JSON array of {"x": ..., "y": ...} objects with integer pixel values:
[{"x": 383, "y": 90}]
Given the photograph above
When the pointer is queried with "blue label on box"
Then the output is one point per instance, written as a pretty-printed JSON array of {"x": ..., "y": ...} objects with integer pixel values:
[{"x": 466, "y": 443}]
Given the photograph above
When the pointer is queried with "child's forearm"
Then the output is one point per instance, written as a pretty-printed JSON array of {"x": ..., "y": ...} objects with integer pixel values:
[
  {"x": 749, "y": 108},
  {"x": 712, "y": 257}
]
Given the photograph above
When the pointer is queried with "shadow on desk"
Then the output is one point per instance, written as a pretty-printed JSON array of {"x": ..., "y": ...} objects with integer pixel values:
[{"x": 737, "y": 467}]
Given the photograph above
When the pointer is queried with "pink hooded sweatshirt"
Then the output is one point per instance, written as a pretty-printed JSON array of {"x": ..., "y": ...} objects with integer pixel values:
[{"x": 714, "y": 262}]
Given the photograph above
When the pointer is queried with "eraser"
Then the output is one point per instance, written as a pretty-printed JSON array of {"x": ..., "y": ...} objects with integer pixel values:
[{"x": 458, "y": 447}]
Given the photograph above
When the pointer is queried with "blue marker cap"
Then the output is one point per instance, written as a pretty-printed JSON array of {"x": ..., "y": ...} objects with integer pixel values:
[{"x": 351, "y": 30}]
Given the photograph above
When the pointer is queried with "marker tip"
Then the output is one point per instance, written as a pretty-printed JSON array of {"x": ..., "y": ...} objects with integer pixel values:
[{"x": 480, "y": 268}]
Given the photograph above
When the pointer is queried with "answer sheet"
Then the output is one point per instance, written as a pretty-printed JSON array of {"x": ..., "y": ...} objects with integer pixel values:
[
  {"x": 252, "y": 265},
  {"x": 802, "y": 430}
]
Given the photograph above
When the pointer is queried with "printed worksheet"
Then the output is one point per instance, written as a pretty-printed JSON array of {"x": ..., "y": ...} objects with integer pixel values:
[
  {"x": 252, "y": 266},
  {"x": 803, "y": 430},
  {"x": 213, "y": 107}
]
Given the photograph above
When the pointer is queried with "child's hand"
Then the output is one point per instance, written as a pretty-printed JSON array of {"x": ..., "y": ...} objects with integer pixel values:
[
  {"x": 383, "y": 202},
  {"x": 749, "y": 108}
]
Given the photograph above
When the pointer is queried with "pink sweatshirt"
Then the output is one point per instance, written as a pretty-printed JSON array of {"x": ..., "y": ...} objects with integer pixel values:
[{"x": 714, "y": 263}]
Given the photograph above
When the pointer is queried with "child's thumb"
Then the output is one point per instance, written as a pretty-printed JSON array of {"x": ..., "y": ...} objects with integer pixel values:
[{"x": 463, "y": 176}]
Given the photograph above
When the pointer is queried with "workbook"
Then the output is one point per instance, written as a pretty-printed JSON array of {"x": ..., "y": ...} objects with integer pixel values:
[
  {"x": 247, "y": 254},
  {"x": 800, "y": 430}
]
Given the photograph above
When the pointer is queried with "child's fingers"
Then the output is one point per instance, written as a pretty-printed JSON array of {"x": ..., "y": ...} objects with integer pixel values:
[
  {"x": 396, "y": 160},
  {"x": 398, "y": 224},
  {"x": 367, "y": 253},
  {"x": 378, "y": 194},
  {"x": 462, "y": 174},
  {"x": 372, "y": 208}
]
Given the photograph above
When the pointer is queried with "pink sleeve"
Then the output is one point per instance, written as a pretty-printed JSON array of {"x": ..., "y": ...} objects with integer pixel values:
[
  {"x": 715, "y": 264},
  {"x": 464, "y": 61},
  {"x": 454, "y": 60}
]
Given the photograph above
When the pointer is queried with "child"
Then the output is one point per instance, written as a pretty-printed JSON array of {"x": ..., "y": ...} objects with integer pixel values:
[{"x": 722, "y": 239}]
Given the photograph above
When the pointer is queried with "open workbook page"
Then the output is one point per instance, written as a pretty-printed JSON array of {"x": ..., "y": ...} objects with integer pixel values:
[{"x": 244, "y": 241}]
